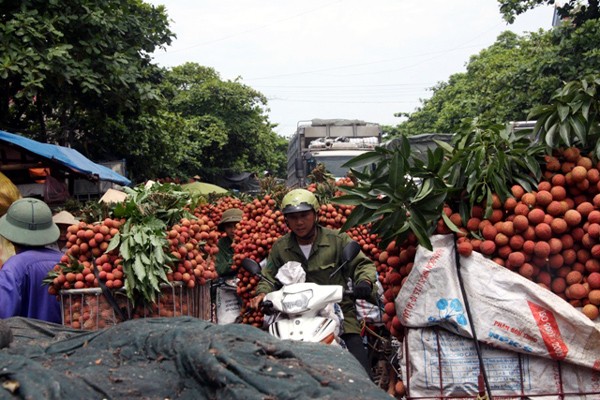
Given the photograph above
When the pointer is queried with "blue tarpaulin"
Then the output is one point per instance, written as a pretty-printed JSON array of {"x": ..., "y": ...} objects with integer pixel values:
[{"x": 66, "y": 156}]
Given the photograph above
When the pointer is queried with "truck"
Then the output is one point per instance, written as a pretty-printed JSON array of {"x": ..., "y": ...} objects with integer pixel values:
[{"x": 331, "y": 142}]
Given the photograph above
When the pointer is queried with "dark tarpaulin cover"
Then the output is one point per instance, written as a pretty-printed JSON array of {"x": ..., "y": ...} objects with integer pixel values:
[
  {"x": 66, "y": 156},
  {"x": 174, "y": 358},
  {"x": 244, "y": 182}
]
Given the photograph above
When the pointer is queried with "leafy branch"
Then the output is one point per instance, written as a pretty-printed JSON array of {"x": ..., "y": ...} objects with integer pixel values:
[
  {"x": 486, "y": 159},
  {"x": 405, "y": 193},
  {"x": 401, "y": 195},
  {"x": 145, "y": 263},
  {"x": 142, "y": 240},
  {"x": 573, "y": 117}
]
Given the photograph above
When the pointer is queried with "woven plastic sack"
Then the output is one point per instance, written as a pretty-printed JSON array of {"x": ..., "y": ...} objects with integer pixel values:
[
  {"x": 509, "y": 311},
  {"x": 437, "y": 362}
]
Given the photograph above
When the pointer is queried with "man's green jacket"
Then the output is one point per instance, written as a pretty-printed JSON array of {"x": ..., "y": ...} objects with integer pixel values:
[
  {"x": 224, "y": 259},
  {"x": 324, "y": 258}
]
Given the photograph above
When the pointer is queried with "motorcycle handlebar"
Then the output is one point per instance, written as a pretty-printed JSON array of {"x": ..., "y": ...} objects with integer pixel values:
[
  {"x": 266, "y": 307},
  {"x": 266, "y": 304}
]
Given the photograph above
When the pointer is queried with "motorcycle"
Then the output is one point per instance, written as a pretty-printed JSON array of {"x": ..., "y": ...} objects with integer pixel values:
[{"x": 305, "y": 311}]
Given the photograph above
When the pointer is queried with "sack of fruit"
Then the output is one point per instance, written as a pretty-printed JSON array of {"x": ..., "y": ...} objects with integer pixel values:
[{"x": 508, "y": 311}]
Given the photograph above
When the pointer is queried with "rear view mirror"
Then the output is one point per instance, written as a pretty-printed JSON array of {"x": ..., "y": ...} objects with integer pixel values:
[
  {"x": 254, "y": 268},
  {"x": 350, "y": 251},
  {"x": 251, "y": 266}
]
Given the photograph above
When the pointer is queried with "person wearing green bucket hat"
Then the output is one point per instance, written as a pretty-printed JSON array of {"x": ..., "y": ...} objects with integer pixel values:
[
  {"x": 29, "y": 227},
  {"x": 224, "y": 289},
  {"x": 229, "y": 220}
]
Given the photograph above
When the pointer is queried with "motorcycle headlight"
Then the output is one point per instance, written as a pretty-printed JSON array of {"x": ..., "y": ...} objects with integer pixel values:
[{"x": 294, "y": 303}]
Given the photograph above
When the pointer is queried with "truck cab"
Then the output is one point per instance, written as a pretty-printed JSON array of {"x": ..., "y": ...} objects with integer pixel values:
[{"x": 331, "y": 142}]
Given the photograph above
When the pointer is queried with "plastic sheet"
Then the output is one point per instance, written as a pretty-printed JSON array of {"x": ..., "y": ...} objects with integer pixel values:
[{"x": 175, "y": 358}]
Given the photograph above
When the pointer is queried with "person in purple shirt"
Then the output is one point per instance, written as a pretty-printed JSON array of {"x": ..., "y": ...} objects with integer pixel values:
[{"x": 28, "y": 225}]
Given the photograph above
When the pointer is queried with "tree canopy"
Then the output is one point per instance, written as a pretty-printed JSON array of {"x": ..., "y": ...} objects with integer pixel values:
[
  {"x": 221, "y": 118},
  {"x": 67, "y": 66},
  {"x": 506, "y": 80},
  {"x": 80, "y": 73},
  {"x": 575, "y": 10}
]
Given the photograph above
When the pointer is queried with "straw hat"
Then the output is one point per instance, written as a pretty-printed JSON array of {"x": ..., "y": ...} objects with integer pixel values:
[
  {"x": 29, "y": 222},
  {"x": 64, "y": 218}
]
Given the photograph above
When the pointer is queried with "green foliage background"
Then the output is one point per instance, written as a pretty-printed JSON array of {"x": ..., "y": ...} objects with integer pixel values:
[
  {"x": 80, "y": 73},
  {"x": 505, "y": 81}
]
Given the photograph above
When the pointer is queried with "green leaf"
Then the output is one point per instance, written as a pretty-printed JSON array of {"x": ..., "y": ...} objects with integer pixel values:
[
  {"x": 585, "y": 110},
  {"x": 433, "y": 201},
  {"x": 356, "y": 217},
  {"x": 162, "y": 275},
  {"x": 565, "y": 134},
  {"x": 579, "y": 128},
  {"x": 140, "y": 238},
  {"x": 374, "y": 204},
  {"x": 129, "y": 283},
  {"x": 527, "y": 182},
  {"x": 444, "y": 146},
  {"x": 114, "y": 243},
  {"x": 424, "y": 191},
  {"x": 139, "y": 269},
  {"x": 124, "y": 250},
  {"x": 396, "y": 171},
  {"x": 145, "y": 259},
  {"x": 563, "y": 112},
  {"x": 488, "y": 202},
  {"x": 154, "y": 284},
  {"x": 157, "y": 241},
  {"x": 422, "y": 235},
  {"x": 551, "y": 140},
  {"x": 364, "y": 159},
  {"x": 551, "y": 119},
  {"x": 351, "y": 200},
  {"x": 533, "y": 166},
  {"x": 159, "y": 255},
  {"x": 386, "y": 209},
  {"x": 450, "y": 224}
]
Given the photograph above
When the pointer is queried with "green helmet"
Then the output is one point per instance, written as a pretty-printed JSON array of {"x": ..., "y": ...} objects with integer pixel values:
[
  {"x": 299, "y": 200},
  {"x": 29, "y": 222}
]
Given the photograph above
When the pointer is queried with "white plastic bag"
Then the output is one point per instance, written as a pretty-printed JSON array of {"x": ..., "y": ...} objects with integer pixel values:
[{"x": 291, "y": 272}]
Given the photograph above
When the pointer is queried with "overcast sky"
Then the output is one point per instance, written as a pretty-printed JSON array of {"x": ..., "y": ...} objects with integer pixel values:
[{"x": 337, "y": 59}]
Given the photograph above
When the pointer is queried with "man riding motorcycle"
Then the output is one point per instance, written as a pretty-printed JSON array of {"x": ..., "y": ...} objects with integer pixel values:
[{"x": 319, "y": 250}]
